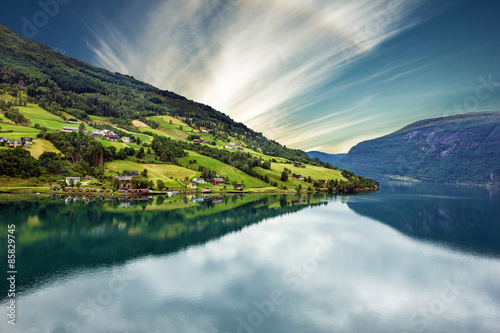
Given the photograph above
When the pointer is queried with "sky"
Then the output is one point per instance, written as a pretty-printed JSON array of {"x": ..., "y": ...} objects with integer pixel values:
[{"x": 312, "y": 74}]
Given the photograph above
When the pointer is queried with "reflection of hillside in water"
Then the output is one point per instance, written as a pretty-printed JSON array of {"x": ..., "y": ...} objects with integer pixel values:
[
  {"x": 462, "y": 217},
  {"x": 56, "y": 236}
]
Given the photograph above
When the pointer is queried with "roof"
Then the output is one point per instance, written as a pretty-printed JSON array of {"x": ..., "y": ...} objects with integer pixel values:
[
  {"x": 74, "y": 178},
  {"x": 218, "y": 180},
  {"x": 124, "y": 177}
]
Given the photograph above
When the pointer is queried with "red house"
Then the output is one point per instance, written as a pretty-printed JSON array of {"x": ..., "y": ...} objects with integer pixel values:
[
  {"x": 218, "y": 181},
  {"x": 125, "y": 179}
]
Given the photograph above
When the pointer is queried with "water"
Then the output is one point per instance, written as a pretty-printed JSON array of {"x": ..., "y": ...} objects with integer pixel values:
[{"x": 408, "y": 258}]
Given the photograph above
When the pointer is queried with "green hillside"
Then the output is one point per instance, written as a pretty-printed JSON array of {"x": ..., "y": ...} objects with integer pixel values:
[
  {"x": 42, "y": 90},
  {"x": 457, "y": 149}
]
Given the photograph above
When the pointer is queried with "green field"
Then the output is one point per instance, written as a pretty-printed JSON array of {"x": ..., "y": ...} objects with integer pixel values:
[
  {"x": 167, "y": 129},
  {"x": 164, "y": 122},
  {"x": 143, "y": 137},
  {"x": 222, "y": 169},
  {"x": 98, "y": 118},
  {"x": 18, "y": 131},
  {"x": 118, "y": 145},
  {"x": 39, "y": 146},
  {"x": 315, "y": 172},
  {"x": 34, "y": 111},
  {"x": 172, "y": 175}
]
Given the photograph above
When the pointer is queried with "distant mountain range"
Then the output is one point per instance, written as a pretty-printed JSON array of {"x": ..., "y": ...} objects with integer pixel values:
[
  {"x": 325, "y": 157},
  {"x": 456, "y": 149}
]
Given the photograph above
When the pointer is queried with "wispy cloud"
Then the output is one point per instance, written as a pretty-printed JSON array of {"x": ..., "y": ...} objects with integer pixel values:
[{"x": 254, "y": 60}]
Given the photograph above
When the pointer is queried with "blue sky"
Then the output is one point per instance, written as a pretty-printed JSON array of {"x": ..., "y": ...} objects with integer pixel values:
[{"x": 315, "y": 75}]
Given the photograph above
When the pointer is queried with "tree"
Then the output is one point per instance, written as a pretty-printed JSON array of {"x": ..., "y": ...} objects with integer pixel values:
[
  {"x": 82, "y": 127},
  {"x": 140, "y": 153},
  {"x": 160, "y": 184},
  {"x": 298, "y": 188},
  {"x": 116, "y": 183},
  {"x": 71, "y": 182},
  {"x": 284, "y": 176}
]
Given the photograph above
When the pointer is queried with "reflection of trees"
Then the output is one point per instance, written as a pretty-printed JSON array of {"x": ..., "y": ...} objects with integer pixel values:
[{"x": 55, "y": 238}]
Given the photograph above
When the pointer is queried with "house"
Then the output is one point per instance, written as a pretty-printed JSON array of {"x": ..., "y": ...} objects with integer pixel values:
[
  {"x": 192, "y": 185},
  {"x": 113, "y": 137},
  {"x": 132, "y": 173},
  {"x": 27, "y": 145},
  {"x": 239, "y": 148},
  {"x": 4, "y": 140},
  {"x": 297, "y": 176},
  {"x": 232, "y": 143},
  {"x": 205, "y": 189},
  {"x": 218, "y": 181},
  {"x": 97, "y": 134},
  {"x": 75, "y": 180},
  {"x": 15, "y": 143},
  {"x": 229, "y": 147},
  {"x": 199, "y": 180},
  {"x": 27, "y": 140},
  {"x": 126, "y": 139},
  {"x": 217, "y": 199},
  {"x": 69, "y": 129},
  {"x": 198, "y": 140},
  {"x": 197, "y": 131},
  {"x": 301, "y": 178},
  {"x": 204, "y": 131},
  {"x": 125, "y": 179}
]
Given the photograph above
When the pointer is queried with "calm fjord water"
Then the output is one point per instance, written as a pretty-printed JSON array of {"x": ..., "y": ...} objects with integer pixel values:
[{"x": 408, "y": 258}]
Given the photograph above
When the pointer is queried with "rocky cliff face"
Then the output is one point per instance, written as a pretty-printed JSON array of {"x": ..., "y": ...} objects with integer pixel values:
[{"x": 456, "y": 149}]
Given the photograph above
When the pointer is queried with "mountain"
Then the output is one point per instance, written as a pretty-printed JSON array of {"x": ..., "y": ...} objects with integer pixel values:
[
  {"x": 325, "y": 157},
  {"x": 59, "y": 83},
  {"x": 164, "y": 136},
  {"x": 462, "y": 148}
]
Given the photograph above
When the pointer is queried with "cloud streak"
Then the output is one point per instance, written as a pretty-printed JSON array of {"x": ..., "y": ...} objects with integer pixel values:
[{"x": 257, "y": 61}]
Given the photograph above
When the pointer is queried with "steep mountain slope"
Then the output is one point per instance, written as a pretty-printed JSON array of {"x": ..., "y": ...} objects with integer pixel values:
[{"x": 462, "y": 148}]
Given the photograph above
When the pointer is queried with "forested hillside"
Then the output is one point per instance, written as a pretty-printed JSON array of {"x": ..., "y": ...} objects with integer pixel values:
[{"x": 61, "y": 84}]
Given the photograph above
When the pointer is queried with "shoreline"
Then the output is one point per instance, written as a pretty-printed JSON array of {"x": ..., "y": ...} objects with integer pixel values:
[{"x": 47, "y": 191}]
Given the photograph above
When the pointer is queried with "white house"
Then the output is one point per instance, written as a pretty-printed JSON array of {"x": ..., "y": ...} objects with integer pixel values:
[
  {"x": 69, "y": 129},
  {"x": 126, "y": 139},
  {"x": 97, "y": 134},
  {"x": 199, "y": 180}
]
